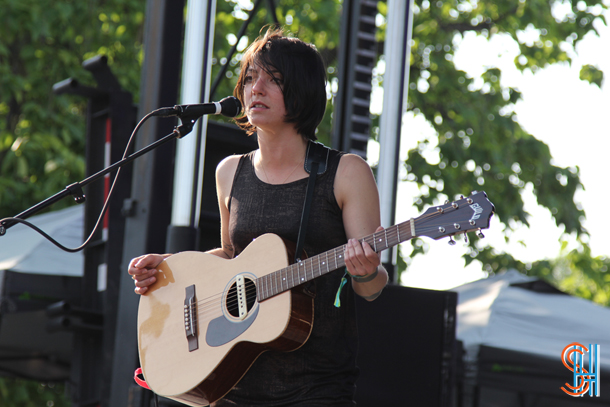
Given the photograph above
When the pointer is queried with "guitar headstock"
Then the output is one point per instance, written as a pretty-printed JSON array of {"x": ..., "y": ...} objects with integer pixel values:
[{"x": 452, "y": 218}]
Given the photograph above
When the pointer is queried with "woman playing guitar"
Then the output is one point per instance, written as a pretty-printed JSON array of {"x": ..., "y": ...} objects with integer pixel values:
[{"x": 282, "y": 86}]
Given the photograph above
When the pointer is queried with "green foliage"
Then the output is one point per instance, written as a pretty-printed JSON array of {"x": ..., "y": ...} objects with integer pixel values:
[
  {"x": 478, "y": 143},
  {"x": 42, "y": 136},
  {"x": 591, "y": 74},
  {"x": 575, "y": 272},
  {"x": 16, "y": 392},
  {"x": 580, "y": 274}
]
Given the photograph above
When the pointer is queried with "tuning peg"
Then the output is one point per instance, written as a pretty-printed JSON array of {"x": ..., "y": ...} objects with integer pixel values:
[
  {"x": 451, "y": 241},
  {"x": 465, "y": 238},
  {"x": 480, "y": 235}
]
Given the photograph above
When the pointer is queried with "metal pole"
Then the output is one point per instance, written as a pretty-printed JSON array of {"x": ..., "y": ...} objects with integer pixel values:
[
  {"x": 397, "y": 49},
  {"x": 147, "y": 210},
  {"x": 195, "y": 88}
]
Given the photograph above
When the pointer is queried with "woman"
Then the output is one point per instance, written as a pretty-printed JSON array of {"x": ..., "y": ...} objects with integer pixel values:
[{"x": 282, "y": 88}]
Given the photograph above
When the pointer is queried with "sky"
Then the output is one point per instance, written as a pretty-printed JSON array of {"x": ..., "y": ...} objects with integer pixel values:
[{"x": 571, "y": 116}]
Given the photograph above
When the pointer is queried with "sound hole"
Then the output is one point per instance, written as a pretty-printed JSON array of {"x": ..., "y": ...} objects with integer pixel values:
[{"x": 232, "y": 304}]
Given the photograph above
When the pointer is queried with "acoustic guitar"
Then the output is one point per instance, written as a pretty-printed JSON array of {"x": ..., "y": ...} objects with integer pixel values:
[{"x": 206, "y": 319}]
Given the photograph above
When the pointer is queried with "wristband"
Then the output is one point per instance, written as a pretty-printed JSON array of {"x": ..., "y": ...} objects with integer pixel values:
[{"x": 366, "y": 278}]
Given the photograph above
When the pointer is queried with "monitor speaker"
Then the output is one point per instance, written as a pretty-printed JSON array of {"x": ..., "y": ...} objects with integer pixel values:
[{"x": 407, "y": 354}]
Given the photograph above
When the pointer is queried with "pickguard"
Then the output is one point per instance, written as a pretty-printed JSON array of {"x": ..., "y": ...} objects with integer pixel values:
[{"x": 221, "y": 330}]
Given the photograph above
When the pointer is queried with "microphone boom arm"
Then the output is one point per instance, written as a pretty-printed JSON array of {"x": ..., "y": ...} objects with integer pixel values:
[
  {"x": 75, "y": 189},
  {"x": 188, "y": 114}
]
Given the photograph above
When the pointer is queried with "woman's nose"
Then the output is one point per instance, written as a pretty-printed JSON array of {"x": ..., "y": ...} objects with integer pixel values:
[{"x": 257, "y": 85}]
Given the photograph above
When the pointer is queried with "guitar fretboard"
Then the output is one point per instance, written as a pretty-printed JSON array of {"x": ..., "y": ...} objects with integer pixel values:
[{"x": 317, "y": 266}]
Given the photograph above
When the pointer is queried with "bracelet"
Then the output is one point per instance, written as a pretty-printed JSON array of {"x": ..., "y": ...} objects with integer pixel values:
[{"x": 366, "y": 278}]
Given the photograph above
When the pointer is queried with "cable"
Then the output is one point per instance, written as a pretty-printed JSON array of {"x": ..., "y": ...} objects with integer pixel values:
[{"x": 102, "y": 212}]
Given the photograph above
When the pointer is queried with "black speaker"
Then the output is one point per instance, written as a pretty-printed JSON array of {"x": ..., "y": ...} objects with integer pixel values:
[{"x": 407, "y": 354}]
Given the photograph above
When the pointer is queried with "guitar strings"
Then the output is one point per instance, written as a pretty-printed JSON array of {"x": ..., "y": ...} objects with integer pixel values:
[
  {"x": 394, "y": 233},
  {"x": 316, "y": 265},
  {"x": 208, "y": 308}
]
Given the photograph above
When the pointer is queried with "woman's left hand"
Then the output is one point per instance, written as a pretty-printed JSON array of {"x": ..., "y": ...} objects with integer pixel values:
[{"x": 360, "y": 258}]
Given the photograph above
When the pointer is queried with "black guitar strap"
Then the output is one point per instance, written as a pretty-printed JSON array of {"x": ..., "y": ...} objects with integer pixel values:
[{"x": 316, "y": 161}]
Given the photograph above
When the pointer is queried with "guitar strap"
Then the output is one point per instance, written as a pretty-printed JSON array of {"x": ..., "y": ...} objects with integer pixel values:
[{"x": 316, "y": 162}]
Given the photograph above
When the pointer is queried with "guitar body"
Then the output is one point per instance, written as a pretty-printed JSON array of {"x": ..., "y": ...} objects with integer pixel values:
[{"x": 227, "y": 340}]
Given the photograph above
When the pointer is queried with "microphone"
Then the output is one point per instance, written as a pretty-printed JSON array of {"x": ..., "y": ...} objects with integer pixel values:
[{"x": 229, "y": 106}]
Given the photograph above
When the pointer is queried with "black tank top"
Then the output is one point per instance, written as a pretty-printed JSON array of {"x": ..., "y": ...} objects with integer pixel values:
[{"x": 323, "y": 371}]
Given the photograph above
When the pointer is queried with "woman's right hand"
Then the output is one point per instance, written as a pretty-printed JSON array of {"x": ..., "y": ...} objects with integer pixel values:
[{"x": 143, "y": 269}]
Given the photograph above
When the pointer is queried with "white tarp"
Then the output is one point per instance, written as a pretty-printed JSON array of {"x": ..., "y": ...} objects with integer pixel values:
[
  {"x": 494, "y": 313},
  {"x": 24, "y": 250}
]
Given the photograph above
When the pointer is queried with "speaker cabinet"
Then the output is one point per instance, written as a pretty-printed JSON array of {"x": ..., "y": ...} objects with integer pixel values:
[{"x": 407, "y": 354}]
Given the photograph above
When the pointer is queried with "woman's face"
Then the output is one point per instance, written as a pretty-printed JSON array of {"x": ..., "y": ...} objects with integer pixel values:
[{"x": 263, "y": 97}]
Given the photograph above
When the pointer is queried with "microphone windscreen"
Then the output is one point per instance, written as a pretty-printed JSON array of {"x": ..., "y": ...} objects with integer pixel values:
[{"x": 230, "y": 106}]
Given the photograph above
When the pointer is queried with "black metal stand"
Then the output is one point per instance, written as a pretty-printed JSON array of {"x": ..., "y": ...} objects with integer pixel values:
[{"x": 76, "y": 189}]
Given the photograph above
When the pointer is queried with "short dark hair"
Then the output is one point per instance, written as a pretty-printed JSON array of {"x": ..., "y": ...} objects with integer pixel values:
[{"x": 303, "y": 74}]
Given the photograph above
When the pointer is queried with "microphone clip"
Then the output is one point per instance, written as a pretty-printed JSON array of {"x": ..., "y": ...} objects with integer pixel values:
[{"x": 186, "y": 126}]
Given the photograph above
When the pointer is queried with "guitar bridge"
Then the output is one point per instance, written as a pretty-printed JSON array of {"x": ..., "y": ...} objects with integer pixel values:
[{"x": 190, "y": 318}]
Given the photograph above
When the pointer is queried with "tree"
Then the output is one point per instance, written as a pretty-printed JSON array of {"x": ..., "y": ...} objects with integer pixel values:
[
  {"x": 42, "y": 136},
  {"x": 17, "y": 392},
  {"x": 577, "y": 272},
  {"x": 478, "y": 140}
]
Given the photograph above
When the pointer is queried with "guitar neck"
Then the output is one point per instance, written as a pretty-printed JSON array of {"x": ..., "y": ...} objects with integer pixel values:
[
  {"x": 452, "y": 218},
  {"x": 317, "y": 266}
]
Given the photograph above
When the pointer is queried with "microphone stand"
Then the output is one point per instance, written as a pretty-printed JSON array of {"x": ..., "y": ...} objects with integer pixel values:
[{"x": 76, "y": 189}]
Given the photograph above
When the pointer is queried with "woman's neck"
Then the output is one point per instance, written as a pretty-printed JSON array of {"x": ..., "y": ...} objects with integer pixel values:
[
  {"x": 279, "y": 150},
  {"x": 280, "y": 159}
]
